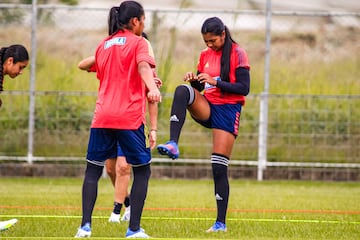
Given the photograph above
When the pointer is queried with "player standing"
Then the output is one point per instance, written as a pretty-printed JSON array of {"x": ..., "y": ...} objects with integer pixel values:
[
  {"x": 223, "y": 76},
  {"x": 13, "y": 60},
  {"x": 123, "y": 63}
]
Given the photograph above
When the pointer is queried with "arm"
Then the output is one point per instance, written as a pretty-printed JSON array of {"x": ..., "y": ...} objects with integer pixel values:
[
  {"x": 242, "y": 85},
  {"x": 153, "y": 113},
  {"x": 146, "y": 74},
  {"x": 86, "y": 63}
]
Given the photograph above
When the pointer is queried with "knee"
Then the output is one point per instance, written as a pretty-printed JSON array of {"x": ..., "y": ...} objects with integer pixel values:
[
  {"x": 110, "y": 170},
  {"x": 123, "y": 169},
  {"x": 181, "y": 90},
  {"x": 142, "y": 171},
  {"x": 185, "y": 92},
  {"x": 92, "y": 173}
]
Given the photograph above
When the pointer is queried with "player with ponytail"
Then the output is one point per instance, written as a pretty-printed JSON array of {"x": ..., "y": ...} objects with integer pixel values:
[
  {"x": 214, "y": 98},
  {"x": 123, "y": 63},
  {"x": 13, "y": 60}
]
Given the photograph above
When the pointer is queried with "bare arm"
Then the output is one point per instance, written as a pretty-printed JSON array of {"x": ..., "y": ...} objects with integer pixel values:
[
  {"x": 86, "y": 63},
  {"x": 153, "y": 114},
  {"x": 146, "y": 74}
]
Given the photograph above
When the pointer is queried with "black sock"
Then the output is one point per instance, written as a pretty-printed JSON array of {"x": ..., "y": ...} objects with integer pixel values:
[
  {"x": 117, "y": 208},
  {"x": 221, "y": 186},
  {"x": 138, "y": 194},
  {"x": 89, "y": 191},
  {"x": 127, "y": 201},
  {"x": 178, "y": 111}
]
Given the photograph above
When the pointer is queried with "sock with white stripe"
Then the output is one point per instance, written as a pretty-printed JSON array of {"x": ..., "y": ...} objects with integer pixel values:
[{"x": 219, "y": 165}]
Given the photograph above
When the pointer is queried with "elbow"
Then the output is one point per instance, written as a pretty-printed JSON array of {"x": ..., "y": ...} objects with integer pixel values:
[
  {"x": 80, "y": 66},
  {"x": 246, "y": 91}
]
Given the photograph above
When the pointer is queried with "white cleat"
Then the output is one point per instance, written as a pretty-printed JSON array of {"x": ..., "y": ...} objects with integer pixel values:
[
  {"x": 115, "y": 218},
  {"x": 5, "y": 225},
  {"x": 138, "y": 234},
  {"x": 84, "y": 231},
  {"x": 126, "y": 216}
]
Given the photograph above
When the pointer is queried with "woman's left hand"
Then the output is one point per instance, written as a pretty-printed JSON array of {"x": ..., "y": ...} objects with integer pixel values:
[{"x": 152, "y": 139}]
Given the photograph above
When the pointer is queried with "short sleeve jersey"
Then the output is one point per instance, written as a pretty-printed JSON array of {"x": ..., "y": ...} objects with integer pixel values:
[
  {"x": 92, "y": 68},
  {"x": 210, "y": 62},
  {"x": 121, "y": 101}
]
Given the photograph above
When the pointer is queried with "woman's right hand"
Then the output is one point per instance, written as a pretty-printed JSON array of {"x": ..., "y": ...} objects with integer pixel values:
[
  {"x": 190, "y": 77},
  {"x": 154, "y": 95}
]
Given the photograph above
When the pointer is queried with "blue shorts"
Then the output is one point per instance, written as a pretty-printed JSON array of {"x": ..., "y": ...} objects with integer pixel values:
[
  {"x": 104, "y": 142},
  {"x": 225, "y": 117},
  {"x": 119, "y": 152}
]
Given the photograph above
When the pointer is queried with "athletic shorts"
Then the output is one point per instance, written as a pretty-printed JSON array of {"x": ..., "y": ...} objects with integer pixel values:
[
  {"x": 119, "y": 152},
  {"x": 104, "y": 142},
  {"x": 225, "y": 117}
]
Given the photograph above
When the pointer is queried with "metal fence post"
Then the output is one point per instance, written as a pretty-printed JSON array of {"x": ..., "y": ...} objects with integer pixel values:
[
  {"x": 263, "y": 118},
  {"x": 32, "y": 83}
]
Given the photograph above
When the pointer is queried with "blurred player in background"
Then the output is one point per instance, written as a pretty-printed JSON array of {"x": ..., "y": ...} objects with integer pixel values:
[
  {"x": 123, "y": 64},
  {"x": 13, "y": 60},
  {"x": 223, "y": 75}
]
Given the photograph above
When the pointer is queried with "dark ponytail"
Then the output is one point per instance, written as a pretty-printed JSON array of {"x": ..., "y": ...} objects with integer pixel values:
[
  {"x": 2, "y": 60},
  {"x": 113, "y": 20},
  {"x": 119, "y": 17},
  {"x": 215, "y": 26}
]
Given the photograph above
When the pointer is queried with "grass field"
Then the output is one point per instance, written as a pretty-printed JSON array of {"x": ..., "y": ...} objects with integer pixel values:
[{"x": 50, "y": 208}]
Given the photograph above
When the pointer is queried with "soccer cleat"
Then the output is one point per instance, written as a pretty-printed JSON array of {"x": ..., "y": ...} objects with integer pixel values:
[
  {"x": 217, "y": 227},
  {"x": 115, "y": 218},
  {"x": 126, "y": 216},
  {"x": 5, "y": 225},
  {"x": 136, "y": 234},
  {"x": 84, "y": 231},
  {"x": 170, "y": 148}
]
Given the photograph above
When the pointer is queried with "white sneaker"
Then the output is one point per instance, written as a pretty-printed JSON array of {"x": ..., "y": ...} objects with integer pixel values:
[
  {"x": 84, "y": 231},
  {"x": 5, "y": 225},
  {"x": 126, "y": 216},
  {"x": 115, "y": 218},
  {"x": 138, "y": 234}
]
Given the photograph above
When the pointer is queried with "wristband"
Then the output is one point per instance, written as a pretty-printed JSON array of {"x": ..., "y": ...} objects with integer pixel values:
[{"x": 153, "y": 130}]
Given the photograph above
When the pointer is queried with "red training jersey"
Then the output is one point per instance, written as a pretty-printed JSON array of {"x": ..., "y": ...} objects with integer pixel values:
[
  {"x": 210, "y": 63},
  {"x": 121, "y": 101}
]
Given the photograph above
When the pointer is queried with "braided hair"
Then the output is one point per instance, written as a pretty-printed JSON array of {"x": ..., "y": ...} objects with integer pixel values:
[
  {"x": 119, "y": 17},
  {"x": 17, "y": 52},
  {"x": 215, "y": 26}
]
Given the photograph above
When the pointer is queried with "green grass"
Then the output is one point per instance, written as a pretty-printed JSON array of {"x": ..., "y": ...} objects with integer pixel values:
[{"x": 50, "y": 208}]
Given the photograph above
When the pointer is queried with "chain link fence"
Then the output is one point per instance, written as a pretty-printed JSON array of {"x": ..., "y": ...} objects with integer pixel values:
[{"x": 302, "y": 127}]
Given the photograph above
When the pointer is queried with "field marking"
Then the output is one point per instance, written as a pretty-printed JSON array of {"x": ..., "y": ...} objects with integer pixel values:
[
  {"x": 329, "y": 211},
  {"x": 197, "y": 219},
  {"x": 105, "y": 238}
]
